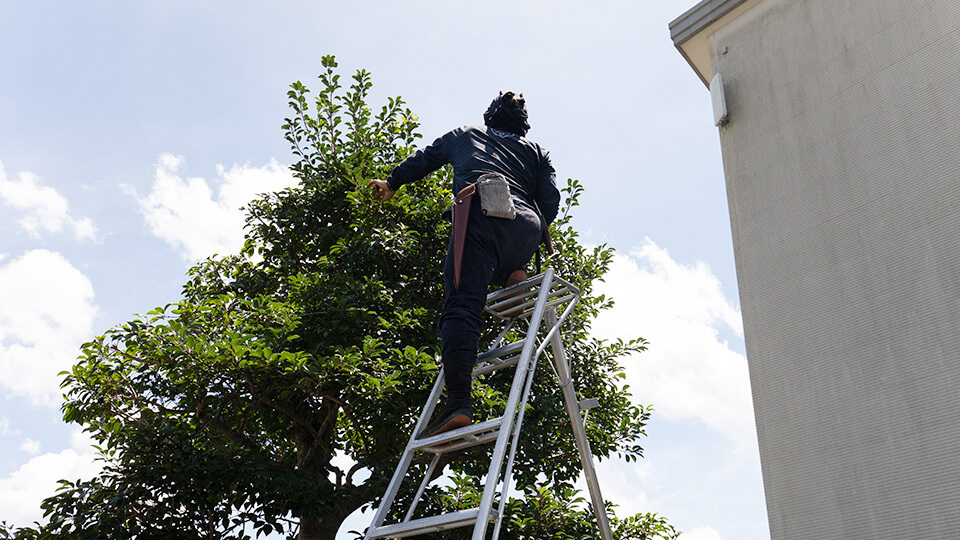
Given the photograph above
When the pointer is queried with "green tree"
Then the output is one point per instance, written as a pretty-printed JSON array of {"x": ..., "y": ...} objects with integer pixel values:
[{"x": 236, "y": 407}]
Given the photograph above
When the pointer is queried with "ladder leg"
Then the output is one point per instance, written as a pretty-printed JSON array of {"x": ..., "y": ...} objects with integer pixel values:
[
  {"x": 579, "y": 433},
  {"x": 496, "y": 463},
  {"x": 505, "y": 492},
  {"x": 406, "y": 459}
]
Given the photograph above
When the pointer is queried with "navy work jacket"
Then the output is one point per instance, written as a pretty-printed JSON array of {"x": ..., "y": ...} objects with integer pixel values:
[{"x": 475, "y": 150}]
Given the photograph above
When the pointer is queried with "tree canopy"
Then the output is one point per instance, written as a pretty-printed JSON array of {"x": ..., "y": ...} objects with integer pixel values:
[{"x": 277, "y": 394}]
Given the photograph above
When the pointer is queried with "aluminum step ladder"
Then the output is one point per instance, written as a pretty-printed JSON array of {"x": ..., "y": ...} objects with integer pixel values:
[{"x": 535, "y": 300}]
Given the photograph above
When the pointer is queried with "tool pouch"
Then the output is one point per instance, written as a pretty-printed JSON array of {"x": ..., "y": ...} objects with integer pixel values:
[{"x": 495, "y": 200}]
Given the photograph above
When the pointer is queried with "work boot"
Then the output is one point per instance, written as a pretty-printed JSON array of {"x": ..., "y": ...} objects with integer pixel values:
[
  {"x": 457, "y": 412},
  {"x": 515, "y": 277},
  {"x": 447, "y": 421}
]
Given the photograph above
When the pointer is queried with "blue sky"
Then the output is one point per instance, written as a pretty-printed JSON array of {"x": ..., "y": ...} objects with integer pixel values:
[{"x": 130, "y": 132}]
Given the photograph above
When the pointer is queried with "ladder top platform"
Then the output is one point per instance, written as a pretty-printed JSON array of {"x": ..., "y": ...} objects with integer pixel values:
[{"x": 518, "y": 301}]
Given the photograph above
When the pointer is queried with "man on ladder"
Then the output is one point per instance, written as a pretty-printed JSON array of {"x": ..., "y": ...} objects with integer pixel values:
[{"x": 492, "y": 241}]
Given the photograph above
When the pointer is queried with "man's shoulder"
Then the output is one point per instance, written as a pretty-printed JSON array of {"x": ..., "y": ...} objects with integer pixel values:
[
  {"x": 464, "y": 132},
  {"x": 486, "y": 132},
  {"x": 471, "y": 129},
  {"x": 489, "y": 132},
  {"x": 494, "y": 132}
]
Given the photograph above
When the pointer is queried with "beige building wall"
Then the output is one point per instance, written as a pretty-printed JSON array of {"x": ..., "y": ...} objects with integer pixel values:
[{"x": 842, "y": 163}]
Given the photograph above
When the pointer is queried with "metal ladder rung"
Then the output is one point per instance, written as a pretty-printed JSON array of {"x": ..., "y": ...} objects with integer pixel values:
[
  {"x": 467, "y": 442},
  {"x": 530, "y": 287},
  {"x": 489, "y": 368},
  {"x": 589, "y": 403},
  {"x": 500, "y": 352},
  {"x": 491, "y": 360},
  {"x": 515, "y": 308},
  {"x": 460, "y": 518},
  {"x": 512, "y": 301},
  {"x": 526, "y": 309},
  {"x": 458, "y": 435}
]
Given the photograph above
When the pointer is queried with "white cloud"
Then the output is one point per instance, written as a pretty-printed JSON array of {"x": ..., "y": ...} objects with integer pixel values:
[
  {"x": 46, "y": 313},
  {"x": 22, "y": 492},
  {"x": 687, "y": 372},
  {"x": 5, "y": 426},
  {"x": 30, "y": 446},
  {"x": 701, "y": 533},
  {"x": 46, "y": 210},
  {"x": 622, "y": 483},
  {"x": 190, "y": 217}
]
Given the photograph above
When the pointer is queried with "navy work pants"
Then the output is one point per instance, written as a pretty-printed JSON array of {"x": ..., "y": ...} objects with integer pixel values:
[{"x": 494, "y": 248}]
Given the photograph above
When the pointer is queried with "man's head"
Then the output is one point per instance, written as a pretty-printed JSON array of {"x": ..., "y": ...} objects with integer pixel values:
[{"x": 508, "y": 112}]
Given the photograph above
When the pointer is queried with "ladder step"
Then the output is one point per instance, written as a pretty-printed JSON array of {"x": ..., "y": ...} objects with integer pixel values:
[
  {"x": 485, "y": 368},
  {"x": 461, "y": 518},
  {"x": 499, "y": 306},
  {"x": 500, "y": 352},
  {"x": 512, "y": 307},
  {"x": 460, "y": 444},
  {"x": 522, "y": 290},
  {"x": 491, "y": 360},
  {"x": 515, "y": 301},
  {"x": 464, "y": 437}
]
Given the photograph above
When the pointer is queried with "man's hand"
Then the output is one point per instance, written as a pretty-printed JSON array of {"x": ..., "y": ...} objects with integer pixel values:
[{"x": 383, "y": 189}]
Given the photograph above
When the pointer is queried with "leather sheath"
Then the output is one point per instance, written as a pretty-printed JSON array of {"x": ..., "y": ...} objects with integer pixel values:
[{"x": 461, "y": 217}]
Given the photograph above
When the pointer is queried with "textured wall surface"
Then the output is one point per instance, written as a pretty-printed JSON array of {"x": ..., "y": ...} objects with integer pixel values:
[{"x": 842, "y": 160}]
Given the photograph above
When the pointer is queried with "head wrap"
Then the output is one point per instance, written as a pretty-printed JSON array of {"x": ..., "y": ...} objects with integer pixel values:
[{"x": 508, "y": 112}]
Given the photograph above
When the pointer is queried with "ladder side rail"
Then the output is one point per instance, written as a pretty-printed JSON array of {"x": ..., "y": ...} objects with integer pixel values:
[
  {"x": 406, "y": 459},
  {"x": 579, "y": 432},
  {"x": 507, "y": 476},
  {"x": 554, "y": 329},
  {"x": 496, "y": 463}
]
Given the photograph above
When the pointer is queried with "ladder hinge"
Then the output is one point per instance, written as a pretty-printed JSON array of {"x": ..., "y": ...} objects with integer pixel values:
[{"x": 589, "y": 403}]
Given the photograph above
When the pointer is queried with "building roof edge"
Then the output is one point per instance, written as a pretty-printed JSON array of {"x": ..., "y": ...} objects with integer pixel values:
[
  {"x": 686, "y": 30},
  {"x": 699, "y": 17}
]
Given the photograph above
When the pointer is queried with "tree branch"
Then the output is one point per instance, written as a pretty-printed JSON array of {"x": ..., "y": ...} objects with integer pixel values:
[
  {"x": 226, "y": 430},
  {"x": 279, "y": 408},
  {"x": 356, "y": 467}
]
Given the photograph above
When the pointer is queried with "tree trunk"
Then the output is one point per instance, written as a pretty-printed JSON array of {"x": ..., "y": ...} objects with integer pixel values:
[{"x": 311, "y": 461}]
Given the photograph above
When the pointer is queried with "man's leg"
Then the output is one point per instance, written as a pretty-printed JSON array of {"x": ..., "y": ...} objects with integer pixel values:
[
  {"x": 460, "y": 328},
  {"x": 490, "y": 242},
  {"x": 457, "y": 411}
]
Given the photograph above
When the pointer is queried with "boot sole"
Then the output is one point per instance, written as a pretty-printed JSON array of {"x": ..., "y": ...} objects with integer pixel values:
[{"x": 458, "y": 421}]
